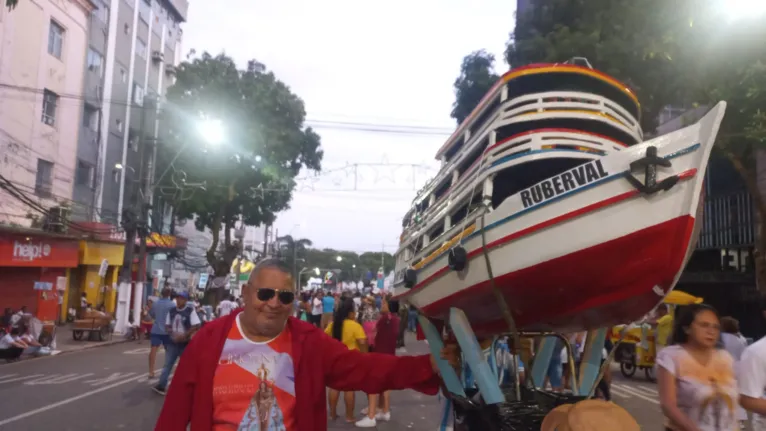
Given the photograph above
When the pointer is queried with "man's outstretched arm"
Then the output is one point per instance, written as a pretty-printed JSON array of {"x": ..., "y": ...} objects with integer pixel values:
[{"x": 374, "y": 373}]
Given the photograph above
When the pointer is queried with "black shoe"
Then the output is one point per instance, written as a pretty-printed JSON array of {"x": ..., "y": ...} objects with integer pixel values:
[{"x": 159, "y": 389}]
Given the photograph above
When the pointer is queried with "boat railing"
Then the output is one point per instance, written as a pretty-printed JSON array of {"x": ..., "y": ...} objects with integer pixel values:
[
  {"x": 590, "y": 145},
  {"x": 552, "y": 101},
  {"x": 570, "y": 100},
  {"x": 552, "y": 140}
]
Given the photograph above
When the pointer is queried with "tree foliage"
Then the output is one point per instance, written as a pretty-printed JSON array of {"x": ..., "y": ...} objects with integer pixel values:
[
  {"x": 476, "y": 78},
  {"x": 352, "y": 266},
  {"x": 641, "y": 43},
  {"x": 250, "y": 176}
]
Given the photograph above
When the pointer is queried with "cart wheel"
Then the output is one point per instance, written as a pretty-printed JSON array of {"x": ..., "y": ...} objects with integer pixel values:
[
  {"x": 649, "y": 373},
  {"x": 77, "y": 335},
  {"x": 627, "y": 369}
]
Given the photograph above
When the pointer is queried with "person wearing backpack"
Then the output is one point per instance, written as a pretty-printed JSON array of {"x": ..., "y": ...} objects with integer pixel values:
[{"x": 181, "y": 322}]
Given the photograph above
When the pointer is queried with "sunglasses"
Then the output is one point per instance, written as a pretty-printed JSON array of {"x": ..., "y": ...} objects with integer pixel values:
[{"x": 285, "y": 296}]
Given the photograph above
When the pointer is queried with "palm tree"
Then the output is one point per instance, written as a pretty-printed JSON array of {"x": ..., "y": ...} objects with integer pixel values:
[{"x": 292, "y": 249}]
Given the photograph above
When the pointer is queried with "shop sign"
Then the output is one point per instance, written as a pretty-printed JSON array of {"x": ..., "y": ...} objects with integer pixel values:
[
  {"x": 35, "y": 251},
  {"x": 161, "y": 241}
]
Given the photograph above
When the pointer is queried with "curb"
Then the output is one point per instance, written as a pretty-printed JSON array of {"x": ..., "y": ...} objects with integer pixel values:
[{"x": 64, "y": 352}]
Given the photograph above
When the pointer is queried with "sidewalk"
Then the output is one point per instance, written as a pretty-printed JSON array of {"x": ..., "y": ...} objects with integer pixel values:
[
  {"x": 410, "y": 410},
  {"x": 65, "y": 343}
]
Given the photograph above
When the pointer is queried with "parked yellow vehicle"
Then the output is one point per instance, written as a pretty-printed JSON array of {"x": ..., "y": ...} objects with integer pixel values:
[{"x": 637, "y": 350}]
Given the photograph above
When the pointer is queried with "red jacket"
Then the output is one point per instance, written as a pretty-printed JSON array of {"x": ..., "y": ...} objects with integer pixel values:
[{"x": 319, "y": 360}]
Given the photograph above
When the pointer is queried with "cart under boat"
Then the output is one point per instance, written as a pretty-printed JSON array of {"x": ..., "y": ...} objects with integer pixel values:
[{"x": 551, "y": 215}]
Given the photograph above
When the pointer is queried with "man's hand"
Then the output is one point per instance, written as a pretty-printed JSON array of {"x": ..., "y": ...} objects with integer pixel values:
[{"x": 450, "y": 353}]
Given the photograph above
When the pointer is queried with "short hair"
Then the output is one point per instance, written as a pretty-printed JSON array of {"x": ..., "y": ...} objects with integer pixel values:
[
  {"x": 270, "y": 263},
  {"x": 729, "y": 325}
]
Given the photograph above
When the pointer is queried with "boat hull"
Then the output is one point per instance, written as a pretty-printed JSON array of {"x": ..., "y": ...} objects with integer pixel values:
[{"x": 596, "y": 256}]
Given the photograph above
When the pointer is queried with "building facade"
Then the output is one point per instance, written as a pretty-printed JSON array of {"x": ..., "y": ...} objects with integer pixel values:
[
  {"x": 133, "y": 47},
  {"x": 42, "y": 60}
]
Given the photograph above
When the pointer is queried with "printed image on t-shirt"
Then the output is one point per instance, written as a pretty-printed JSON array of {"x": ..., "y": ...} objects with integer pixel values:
[
  {"x": 254, "y": 384},
  {"x": 707, "y": 394}
]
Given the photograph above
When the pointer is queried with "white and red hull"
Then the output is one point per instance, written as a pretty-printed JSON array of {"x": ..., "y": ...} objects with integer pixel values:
[{"x": 597, "y": 255}]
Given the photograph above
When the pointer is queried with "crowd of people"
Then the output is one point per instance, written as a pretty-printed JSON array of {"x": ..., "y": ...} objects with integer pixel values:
[{"x": 283, "y": 352}]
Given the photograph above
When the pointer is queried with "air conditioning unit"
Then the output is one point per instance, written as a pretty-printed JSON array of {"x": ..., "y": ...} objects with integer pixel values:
[
  {"x": 170, "y": 69},
  {"x": 158, "y": 56},
  {"x": 57, "y": 219}
]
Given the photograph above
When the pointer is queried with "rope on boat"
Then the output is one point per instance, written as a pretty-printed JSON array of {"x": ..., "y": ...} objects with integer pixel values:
[{"x": 503, "y": 305}]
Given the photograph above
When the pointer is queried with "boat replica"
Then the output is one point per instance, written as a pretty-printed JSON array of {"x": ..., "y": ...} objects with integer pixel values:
[{"x": 551, "y": 212}]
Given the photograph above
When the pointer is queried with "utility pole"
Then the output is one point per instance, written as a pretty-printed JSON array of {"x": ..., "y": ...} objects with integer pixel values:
[
  {"x": 144, "y": 197},
  {"x": 135, "y": 216},
  {"x": 239, "y": 234}
]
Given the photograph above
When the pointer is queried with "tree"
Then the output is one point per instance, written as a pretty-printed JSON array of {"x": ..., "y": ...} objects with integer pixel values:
[
  {"x": 681, "y": 52},
  {"x": 240, "y": 140},
  {"x": 11, "y": 4},
  {"x": 476, "y": 78},
  {"x": 646, "y": 51},
  {"x": 292, "y": 249}
]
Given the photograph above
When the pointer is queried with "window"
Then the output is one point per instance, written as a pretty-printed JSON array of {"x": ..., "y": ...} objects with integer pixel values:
[
  {"x": 119, "y": 125},
  {"x": 50, "y": 100},
  {"x": 85, "y": 174},
  {"x": 123, "y": 75},
  {"x": 101, "y": 13},
  {"x": 126, "y": 29},
  {"x": 44, "y": 178},
  {"x": 138, "y": 94},
  {"x": 140, "y": 48},
  {"x": 95, "y": 62},
  {"x": 55, "y": 39},
  {"x": 90, "y": 118},
  {"x": 133, "y": 141}
]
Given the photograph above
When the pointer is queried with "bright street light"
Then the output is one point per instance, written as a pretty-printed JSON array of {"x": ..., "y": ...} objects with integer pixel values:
[
  {"x": 339, "y": 258},
  {"x": 740, "y": 9},
  {"x": 353, "y": 266},
  {"x": 316, "y": 271},
  {"x": 211, "y": 131}
]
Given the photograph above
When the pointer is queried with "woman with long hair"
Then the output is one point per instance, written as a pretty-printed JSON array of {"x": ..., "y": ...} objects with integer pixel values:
[
  {"x": 697, "y": 384},
  {"x": 345, "y": 329},
  {"x": 386, "y": 333}
]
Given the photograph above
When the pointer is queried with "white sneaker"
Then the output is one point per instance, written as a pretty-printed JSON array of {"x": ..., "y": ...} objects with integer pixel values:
[
  {"x": 365, "y": 411},
  {"x": 383, "y": 416},
  {"x": 366, "y": 422}
]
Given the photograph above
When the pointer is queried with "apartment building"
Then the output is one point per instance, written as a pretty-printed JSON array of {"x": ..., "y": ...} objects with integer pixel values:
[
  {"x": 132, "y": 49},
  {"x": 42, "y": 58}
]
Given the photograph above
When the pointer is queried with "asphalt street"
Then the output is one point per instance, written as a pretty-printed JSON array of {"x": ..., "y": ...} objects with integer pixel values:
[{"x": 108, "y": 389}]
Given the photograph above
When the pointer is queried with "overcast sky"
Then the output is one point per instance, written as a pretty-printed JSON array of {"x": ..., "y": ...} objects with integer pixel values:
[{"x": 358, "y": 65}]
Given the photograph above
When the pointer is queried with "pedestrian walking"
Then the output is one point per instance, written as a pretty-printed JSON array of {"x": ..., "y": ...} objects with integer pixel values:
[
  {"x": 697, "y": 384},
  {"x": 387, "y": 330},
  {"x": 181, "y": 323},
  {"x": 263, "y": 369},
  {"x": 158, "y": 335}
]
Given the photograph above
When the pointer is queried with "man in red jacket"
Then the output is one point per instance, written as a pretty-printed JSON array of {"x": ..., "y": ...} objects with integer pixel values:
[{"x": 260, "y": 368}]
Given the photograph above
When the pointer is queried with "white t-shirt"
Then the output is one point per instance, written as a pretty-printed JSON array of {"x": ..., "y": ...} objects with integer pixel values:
[
  {"x": 316, "y": 308},
  {"x": 226, "y": 307},
  {"x": 357, "y": 303},
  {"x": 177, "y": 326},
  {"x": 751, "y": 376},
  {"x": 6, "y": 341}
]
